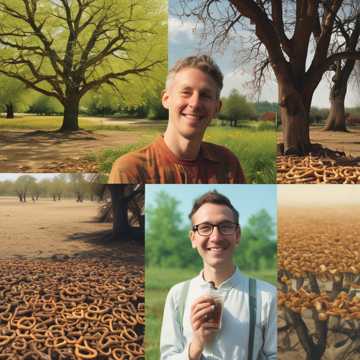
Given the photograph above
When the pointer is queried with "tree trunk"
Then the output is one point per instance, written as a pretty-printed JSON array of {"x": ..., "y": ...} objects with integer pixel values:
[
  {"x": 336, "y": 118},
  {"x": 295, "y": 121},
  {"x": 9, "y": 111},
  {"x": 71, "y": 113},
  {"x": 121, "y": 228}
]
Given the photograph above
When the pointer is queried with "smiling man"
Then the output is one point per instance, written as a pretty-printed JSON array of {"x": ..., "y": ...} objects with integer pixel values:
[
  {"x": 193, "y": 328},
  {"x": 192, "y": 96}
]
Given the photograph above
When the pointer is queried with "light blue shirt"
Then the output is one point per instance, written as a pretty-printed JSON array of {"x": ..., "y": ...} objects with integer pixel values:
[{"x": 231, "y": 341}]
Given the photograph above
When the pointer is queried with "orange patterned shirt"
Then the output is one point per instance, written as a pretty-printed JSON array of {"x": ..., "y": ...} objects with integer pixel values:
[{"x": 156, "y": 164}]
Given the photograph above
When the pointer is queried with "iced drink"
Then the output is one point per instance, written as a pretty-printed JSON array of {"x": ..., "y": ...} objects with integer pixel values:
[{"x": 215, "y": 316}]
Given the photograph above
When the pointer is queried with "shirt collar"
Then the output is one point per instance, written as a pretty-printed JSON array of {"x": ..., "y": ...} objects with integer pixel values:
[
  {"x": 231, "y": 282},
  {"x": 206, "y": 151}
]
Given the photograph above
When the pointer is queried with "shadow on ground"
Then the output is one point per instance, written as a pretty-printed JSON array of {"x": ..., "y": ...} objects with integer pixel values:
[{"x": 128, "y": 250}]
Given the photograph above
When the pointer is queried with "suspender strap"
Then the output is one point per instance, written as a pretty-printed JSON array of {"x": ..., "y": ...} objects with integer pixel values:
[
  {"x": 252, "y": 305},
  {"x": 182, "y": 301}
]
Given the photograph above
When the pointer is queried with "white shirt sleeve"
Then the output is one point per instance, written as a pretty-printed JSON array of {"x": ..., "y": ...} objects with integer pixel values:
[
  {"x": 173, "y": 344},
  {"x": 269, "y": 349}
]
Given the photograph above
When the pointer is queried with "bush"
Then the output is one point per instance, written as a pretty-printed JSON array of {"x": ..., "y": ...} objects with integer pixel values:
[{"x": 45, "y": 105}]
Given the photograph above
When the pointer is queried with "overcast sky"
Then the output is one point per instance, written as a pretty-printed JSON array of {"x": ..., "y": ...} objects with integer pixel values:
[{"x": 184, "y": 41}]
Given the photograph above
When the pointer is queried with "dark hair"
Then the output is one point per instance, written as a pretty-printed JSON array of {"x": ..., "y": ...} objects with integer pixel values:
[
  {"x": 213, "y": 197},
  {"x": 202, "y": 62}
]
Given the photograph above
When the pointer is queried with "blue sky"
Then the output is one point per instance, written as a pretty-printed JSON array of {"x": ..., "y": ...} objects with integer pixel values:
[
  {"x": 247, "y": 199},
  {"x": 184, "y": 41}
]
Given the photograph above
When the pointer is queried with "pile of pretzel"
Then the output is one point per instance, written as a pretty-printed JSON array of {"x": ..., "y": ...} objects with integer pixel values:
[
  {"x": 315, "y": 170},
  {"x": 342, "y": 306},
  {"x": 71, "y": 310}
]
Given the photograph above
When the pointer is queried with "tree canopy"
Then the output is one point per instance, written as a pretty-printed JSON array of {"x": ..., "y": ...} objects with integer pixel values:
[{"x": 236, "y": 107}]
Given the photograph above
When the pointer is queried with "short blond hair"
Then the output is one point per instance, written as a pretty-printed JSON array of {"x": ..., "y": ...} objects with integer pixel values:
[{"x": 202, "y": 62}]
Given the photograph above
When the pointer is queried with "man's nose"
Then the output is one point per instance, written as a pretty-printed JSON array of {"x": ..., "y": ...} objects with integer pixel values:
[
  {"x": 194, "y": 100},
  {"x": 215, "y": 233}
]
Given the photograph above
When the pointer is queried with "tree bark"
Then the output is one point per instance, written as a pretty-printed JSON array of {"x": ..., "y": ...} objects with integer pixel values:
[
  {"x": 71, "y": 113},
  {"x": 9, "y": 111},
  {"x": 295, "y": 121},
  {"x": 121, "y": 228},
  {"x": 336, "y": 118}
]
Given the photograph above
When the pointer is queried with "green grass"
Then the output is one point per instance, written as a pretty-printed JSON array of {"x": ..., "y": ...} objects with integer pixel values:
[
  {"x": 54, "y": 123},
  {"x": 157, "y": 284},
  {"x": 255, "y": 148}
]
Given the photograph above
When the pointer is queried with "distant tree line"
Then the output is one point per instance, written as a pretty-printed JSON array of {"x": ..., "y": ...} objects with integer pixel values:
[
  {"x": 168, "y": 244},
  {"x": 27, "y": 187}
]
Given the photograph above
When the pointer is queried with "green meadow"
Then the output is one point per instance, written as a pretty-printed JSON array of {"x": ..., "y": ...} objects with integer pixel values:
[{"x": 157, "y": 284}]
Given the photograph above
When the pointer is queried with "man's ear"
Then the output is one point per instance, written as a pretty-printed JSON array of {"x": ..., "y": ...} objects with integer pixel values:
[
  {"x": 219, "y": 106},
  {"x": 238, "y": 235},
  {"x": 165, "y": 99},
  {"x": 192, "y": 238}
]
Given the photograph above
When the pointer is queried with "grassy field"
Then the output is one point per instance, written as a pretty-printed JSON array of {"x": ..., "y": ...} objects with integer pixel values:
[
  {"x": 254, "y": 146},
  {"x": 158, "y": 282},
  {"x": 47, "y": 123}
]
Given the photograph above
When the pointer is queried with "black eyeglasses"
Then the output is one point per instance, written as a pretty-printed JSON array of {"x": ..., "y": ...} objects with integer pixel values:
[{"x": 225, "y": 228}]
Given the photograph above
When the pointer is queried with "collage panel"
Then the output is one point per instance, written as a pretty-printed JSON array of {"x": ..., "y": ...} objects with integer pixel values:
[
  {"x": 194, "y": 262},
  {"x": 80, "y": 82},
  {"x": 318, "y": 272},
  {"x": 71, "y": 268},
  {"x": 243, "y": 125}
]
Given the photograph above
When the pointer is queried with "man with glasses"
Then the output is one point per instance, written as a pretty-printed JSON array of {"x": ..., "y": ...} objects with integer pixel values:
[{"x": 245, "y": 326}]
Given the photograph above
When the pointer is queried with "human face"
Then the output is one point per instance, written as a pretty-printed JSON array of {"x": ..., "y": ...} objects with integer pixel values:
[
  {"x": 192, "y": 100},
  {"x": 216, "y": 249}
]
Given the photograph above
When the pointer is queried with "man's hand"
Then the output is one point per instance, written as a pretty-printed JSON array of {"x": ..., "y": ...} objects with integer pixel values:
[{"x": 203, "y": 331}]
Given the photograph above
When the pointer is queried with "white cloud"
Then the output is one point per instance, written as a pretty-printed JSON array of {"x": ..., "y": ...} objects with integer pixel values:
[{"x": 180, "y": 30}]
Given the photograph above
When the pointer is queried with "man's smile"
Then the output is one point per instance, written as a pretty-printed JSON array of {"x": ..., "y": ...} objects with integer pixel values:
[
  {"x": 192, "y": 116},
  {"x": 217, "y": 249}
]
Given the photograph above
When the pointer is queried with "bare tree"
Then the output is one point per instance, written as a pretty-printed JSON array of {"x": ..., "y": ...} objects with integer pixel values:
[
  {"x": 285, "y": 30},
  {"x": 350, "y": 32},
  {"x": 66, "y": 48}
]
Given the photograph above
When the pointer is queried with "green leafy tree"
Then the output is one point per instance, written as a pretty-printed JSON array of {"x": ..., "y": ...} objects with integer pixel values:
[
  {"x": 64, "y": 49},
  {"x": 236, "y": 107},
  {"x": 167, "y": 241},
  {"x": 257, "y": 245},
  {"x": 6, "y": 188},
  {"x": 58, "y": 186},
  {"x": 22, "y": 186},
  {"x": 45, "y": 105},
  {"x": 12, "y": 96},
  {"x": 78, "y": 185}
]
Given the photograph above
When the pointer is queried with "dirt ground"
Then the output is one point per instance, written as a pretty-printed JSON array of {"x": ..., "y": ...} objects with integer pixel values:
[
  {"x": 65, "y": 228},
  {"x": 349, "y": 142},
  {"x": 44, "y": 151}
]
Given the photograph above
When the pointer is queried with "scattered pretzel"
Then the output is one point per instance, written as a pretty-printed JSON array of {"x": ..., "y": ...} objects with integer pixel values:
[
  {"x": 315, "y": 170},
  {"x": 71, "y": 310}
]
